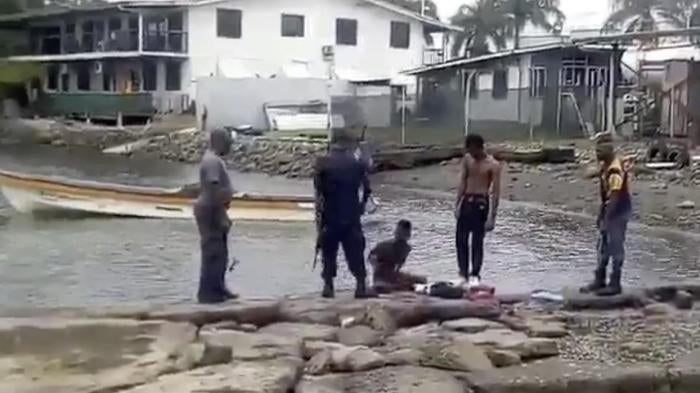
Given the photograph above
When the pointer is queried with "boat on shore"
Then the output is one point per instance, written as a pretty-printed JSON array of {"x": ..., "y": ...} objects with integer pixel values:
[{"x": 34, "y": 194}]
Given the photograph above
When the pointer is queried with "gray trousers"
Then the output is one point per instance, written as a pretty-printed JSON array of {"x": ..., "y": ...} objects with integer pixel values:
[
  {"x": 611, "y": 244},
  {"x": 214, "y": 251}
]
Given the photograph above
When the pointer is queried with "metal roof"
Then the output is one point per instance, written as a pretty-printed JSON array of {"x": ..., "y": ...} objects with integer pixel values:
[{"x": 473, "y": 61}]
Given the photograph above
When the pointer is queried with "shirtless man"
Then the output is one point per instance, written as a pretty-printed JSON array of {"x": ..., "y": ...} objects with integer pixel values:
[{"x": 479, "y": 180}]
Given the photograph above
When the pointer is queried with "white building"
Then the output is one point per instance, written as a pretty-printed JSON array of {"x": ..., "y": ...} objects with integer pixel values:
[{"x": 140, "y": 55}]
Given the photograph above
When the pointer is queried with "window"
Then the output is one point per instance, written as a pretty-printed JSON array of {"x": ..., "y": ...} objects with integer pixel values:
[
  {"x": 500, "y": 84},
  {"x": 65, "y": 82},
  {"x": 400, "y": 35},
  {"x": 538, "y": 81},
  {"x": 346, "y": 31},
  {"x": 228, "y": 23},
  {"x": 52, "y": 75},
  {"x": 172, "y": 76},
  {"x": 292, "y": 25},
  {"x": 84, "y": 76},
  {"x": 149, "y": 76}
]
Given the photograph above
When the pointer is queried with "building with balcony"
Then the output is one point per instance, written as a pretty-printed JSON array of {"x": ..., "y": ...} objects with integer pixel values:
[{"x": 150, "y": 53}]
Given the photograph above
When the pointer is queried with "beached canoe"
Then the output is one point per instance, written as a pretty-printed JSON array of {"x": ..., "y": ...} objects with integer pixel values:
[{"x": 32, "y": 193}]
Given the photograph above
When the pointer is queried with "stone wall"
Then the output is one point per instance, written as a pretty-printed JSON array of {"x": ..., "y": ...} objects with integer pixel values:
[{"x": 287, "y": 157}]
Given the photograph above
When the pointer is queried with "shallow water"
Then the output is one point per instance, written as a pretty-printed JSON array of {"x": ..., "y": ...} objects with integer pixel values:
[{"x": 61, "y": 262}]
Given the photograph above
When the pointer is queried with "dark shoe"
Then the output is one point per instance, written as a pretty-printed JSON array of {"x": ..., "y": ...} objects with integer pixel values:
[
  {"x": 597, "y": 284},
  {"x": 211, "y": 299},
  {"x": 328, "y": 290},
  {"x": 362, "y": 292},
  {"x": 610, "y": 290},
  {"x": 614, "y": 287}
]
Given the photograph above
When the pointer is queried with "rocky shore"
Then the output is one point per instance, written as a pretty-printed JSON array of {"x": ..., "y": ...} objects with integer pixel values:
[{"x": 398, "y": 343}]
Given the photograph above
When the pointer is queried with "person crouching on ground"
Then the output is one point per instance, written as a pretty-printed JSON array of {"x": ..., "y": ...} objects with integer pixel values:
[
  {"x": 388, "y": 257},
  {"x": 614, "y": 214}
]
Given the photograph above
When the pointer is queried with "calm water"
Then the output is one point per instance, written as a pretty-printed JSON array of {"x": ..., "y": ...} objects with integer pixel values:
[{"x": 62, "y": 262}]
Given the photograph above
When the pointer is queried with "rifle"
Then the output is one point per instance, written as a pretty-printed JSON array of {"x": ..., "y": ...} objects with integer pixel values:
[{"x": 319, "y": 227}]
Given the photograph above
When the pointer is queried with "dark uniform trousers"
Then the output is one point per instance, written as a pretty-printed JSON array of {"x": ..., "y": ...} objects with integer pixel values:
[
  {"x": 214, "y": 248},
  {"x": 351, "y": 237}
]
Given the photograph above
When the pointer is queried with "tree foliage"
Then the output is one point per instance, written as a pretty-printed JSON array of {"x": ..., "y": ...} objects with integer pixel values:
[{"x": 490, "y": 23}]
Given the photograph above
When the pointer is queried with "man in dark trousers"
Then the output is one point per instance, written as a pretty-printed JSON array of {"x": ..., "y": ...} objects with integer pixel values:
[
  {"x": 211, "y": 215},
  {"x": 478, "y": 195},
  {"x": 614, "y": 214},
  {"x": 338, "y": 178}
]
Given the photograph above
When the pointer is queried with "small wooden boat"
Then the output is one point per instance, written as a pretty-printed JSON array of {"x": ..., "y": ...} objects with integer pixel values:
[{"x": 32, "y": 193}]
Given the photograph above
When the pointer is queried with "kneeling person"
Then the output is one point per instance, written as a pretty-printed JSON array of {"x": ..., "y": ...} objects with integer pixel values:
[{"x": 387, "y": 259}]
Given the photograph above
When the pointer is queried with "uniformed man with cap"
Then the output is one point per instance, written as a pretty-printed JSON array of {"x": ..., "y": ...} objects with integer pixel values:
[
  {"x": 614, "y": 214},
  {"x": 338, "y": 178}
]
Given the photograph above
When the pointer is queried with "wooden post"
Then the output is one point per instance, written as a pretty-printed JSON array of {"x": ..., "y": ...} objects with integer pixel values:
[{"x": 120, "y": 120}]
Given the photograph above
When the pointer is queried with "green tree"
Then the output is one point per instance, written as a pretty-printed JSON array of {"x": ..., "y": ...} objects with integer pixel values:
[
  {"x": 484, "y": 24},
  {"x": 492, "y": 22}
]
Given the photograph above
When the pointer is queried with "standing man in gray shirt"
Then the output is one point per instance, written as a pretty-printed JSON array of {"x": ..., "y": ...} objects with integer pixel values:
[{"x": 213, "y": 223}]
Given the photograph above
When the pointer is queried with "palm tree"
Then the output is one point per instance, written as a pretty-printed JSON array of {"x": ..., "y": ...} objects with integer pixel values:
[
  {"x": 484, "y": 25},
  {"x": 544, "y": 14},
  {"x": 491, "y": 22},
  {"x": 644, "y": 15}
]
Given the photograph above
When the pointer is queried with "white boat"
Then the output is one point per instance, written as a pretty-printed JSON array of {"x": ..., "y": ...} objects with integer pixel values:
[{"x": 32, "y": 193}]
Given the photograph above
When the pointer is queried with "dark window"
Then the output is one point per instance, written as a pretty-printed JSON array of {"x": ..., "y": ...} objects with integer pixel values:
[
  {"x": 400, "y": 35},
  {"x": 292, "y": 25},
  {"x": 175, "y": 22},
  {"x": 172, "y": 76},
  {"x": 52, "y": 74},
  {"x": 229, "y": 23},
  {"x": 88, "y": 36},
  {"x": 84, "y": 76},
  {"x": 149, "y": 76},
  {"x": 500, "y": 84},
  {"x": 114, "y": 24},
  {"x": 346, "y": 31}
]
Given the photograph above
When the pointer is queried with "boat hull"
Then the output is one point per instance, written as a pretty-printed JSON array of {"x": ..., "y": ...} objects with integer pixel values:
[{"x": 30, "y": 194}]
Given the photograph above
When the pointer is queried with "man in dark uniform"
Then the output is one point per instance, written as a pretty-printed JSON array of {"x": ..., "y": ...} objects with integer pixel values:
[
  {"x": 614, "y": 214},
  {"x": 211, "y": 215},
  {"x": 337, "y": 181}
]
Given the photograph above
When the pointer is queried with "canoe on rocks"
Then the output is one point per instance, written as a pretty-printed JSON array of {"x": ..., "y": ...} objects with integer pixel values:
[{"x": 33, "y": 193}]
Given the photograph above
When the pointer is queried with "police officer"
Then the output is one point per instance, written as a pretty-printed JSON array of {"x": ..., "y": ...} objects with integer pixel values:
[{"x": 337, "y": 180}]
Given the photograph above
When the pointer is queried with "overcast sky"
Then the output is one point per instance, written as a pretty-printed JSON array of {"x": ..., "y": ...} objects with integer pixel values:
[{"x": 579, "y": 13}]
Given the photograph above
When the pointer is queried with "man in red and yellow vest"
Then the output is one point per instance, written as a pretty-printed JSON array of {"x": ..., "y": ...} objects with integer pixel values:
[{"x": 614, "y": 214}]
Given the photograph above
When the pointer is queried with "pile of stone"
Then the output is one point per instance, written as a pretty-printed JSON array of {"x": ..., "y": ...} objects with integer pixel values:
[
  {"x": 288, "y": 157},
  {"x": 398, "y": 343}
]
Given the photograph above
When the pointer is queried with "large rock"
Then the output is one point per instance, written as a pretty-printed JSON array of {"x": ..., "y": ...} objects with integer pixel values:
[
  {"x": 405, "y": 379},
  {"x": 311, "y": 348},
  {"x": 459, "y": 355},
  {"x": 518, "y": 342},
  {"x": 472, "y": 325},
  {"x": 503, "y": 357},
  {"x": 557, "y": 376},
  {"x": 174, "y": 336},
  {"x": 345, "y": 359},
  {"x": 574, "y": 300},
  {"x": 255, "y": 346},
  {"x": 359, "y": 335},
  {"x": 272, "y": 376},
  {"x": 302, "y": 331},
  {"x": 255, "y": 311}
]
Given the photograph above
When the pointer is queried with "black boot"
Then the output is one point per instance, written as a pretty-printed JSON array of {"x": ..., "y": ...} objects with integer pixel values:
[
  {"x": 361, "y": 291},
  {"x": 597, "y": 284},
  {"x": 328, "y": 289},
  {"x": 614, "y": 287}
]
